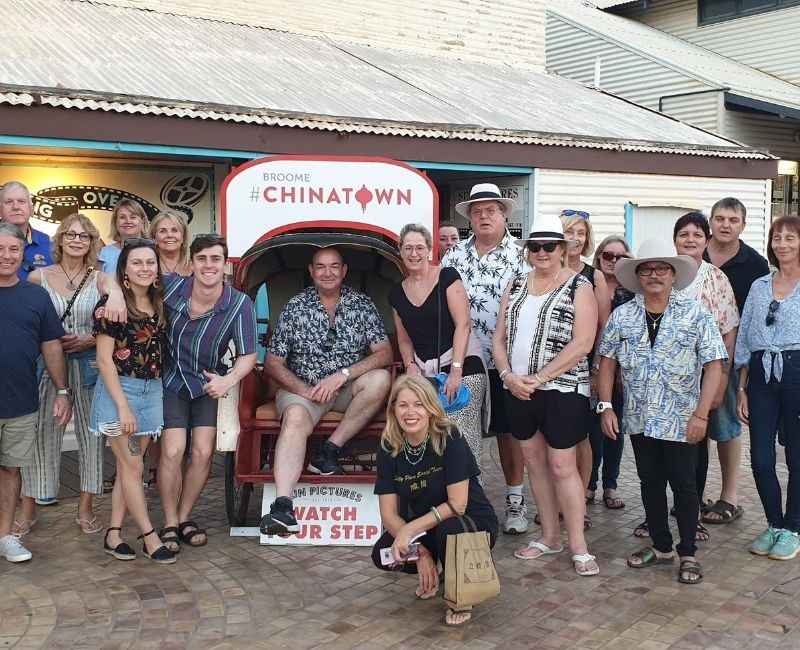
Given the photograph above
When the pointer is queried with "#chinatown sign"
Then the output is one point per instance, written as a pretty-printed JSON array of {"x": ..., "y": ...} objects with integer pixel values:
[{"x": 269, "y": 196}]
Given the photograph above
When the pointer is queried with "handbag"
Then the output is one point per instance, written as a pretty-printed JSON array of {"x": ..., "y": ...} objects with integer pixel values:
[
  {"x": 470, "y": 577},
  {"x": 464, "y": 394}
]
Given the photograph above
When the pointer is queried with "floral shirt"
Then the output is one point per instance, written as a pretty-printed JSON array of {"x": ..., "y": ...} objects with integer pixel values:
[
  {"x": 315, "y": 349},
  {"x": 713, "y": 289},
  {"x": 485, "y": 279},
  {"x": 661, "y": 384},
  {"x": 137, "y": 343},
  {"x": 755, "y": 335}
]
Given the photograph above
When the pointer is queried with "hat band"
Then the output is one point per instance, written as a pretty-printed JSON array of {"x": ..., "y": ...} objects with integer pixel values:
[
  {"x": 546, "y": 234},
  {"x": 481, "y": 196}
]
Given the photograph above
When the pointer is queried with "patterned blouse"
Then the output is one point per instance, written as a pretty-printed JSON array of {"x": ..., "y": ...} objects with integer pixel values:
[
  {"x": 485, "y": 279},
  {"x": 756, "y": 336},
  {"x": 661, "y": 384},
  {"x": 315, "y": 349},
  {"x": 713, "y": 289}
]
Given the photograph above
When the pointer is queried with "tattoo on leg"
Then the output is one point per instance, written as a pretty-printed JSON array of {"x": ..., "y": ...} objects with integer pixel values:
[{"x": 135, "y": 445}]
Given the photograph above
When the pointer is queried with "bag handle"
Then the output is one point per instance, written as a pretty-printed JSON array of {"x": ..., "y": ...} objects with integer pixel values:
[
  {"x": 464, "y": 519},
  {"x": 439, "y": 324},
  {"x": 75, "y": 295}
]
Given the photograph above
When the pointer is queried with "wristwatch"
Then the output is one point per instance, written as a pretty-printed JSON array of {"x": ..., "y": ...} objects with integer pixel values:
[
  {"x": 67, "y": 392},
  {"x": 603, "y": 406},
  {"x": 346, "y": 373},
  {"x": 457, "y": 364}
]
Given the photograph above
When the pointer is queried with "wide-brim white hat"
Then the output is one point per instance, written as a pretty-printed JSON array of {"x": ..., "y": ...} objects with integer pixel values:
[
  {"x": 655, "y": 250},
  {"x": 485, "y": 192},
  {"x": 546, "y": 228}
]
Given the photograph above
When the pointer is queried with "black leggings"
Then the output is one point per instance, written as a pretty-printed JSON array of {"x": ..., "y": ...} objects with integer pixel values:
[{"x": 435, "y": 541}]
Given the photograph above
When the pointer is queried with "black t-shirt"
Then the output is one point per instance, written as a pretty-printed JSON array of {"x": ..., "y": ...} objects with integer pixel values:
[
  {"x": 742, "y": 270},
  {"x": 424, "y": 485},
  {"x": 653, "y": 325},
  {"x": 421, "y": 322}
]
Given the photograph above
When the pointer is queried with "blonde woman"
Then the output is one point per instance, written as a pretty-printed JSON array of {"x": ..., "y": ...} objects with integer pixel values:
[
  {"x": 170, "y": 231},
  {"x": 128, "y": 220},
  {"x": 419, "y": 441},
  {"x": 75, "y": 247}
]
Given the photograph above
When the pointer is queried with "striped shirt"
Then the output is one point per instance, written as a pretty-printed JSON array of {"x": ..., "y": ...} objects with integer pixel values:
[{"x": 200, "y": 343}]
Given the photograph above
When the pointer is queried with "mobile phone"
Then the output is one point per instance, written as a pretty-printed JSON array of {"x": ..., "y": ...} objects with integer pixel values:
[
  {"x": 387, "y": 559},
  {"x": 412, "y": 554}
]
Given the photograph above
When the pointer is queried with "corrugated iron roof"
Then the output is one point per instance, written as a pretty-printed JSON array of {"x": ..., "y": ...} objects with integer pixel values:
[
  {"x": 127, "y": 60},
  {"x": 675, "y": 53}
]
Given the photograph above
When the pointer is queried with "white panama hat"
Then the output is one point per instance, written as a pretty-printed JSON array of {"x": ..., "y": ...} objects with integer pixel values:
[
  {"x": 546, "y": 228},
  {"x": 485, "y": 192},
  {"x": 655, "y": 250}
]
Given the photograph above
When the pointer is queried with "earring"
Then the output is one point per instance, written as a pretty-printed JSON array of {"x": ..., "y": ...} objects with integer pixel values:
[
  {"x": 155, "y": 283},
  {"x": 126, "y": 283}
]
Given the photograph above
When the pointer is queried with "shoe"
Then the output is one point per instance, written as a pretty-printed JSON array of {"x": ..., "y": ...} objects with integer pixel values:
[
  {"x": 48, "y": 501},
  {"x": 786, "y": 546},
  {"x": 280, "y": 520},
  {"x": 13, "y": 550},
  {"x": 326, "y": 462},
  {"x": 121, "y": 551},
  {"x": 516, "y": 522},
  {"x": 162, "y": 555},
  {"x": 763, "y": 545}
]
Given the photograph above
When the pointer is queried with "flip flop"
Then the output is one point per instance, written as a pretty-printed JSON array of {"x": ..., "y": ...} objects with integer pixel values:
[
  {"x": 701, "y": 530},
  {"x": 727, "y": 511},
  {"x": 648, "y": 557},
  {"x": 580, "y": 562},
  {"x": 451, "y": 611},
  {"x": 23, "y": 527},
  {"x": 613, "y": 503},
  {"x": 543, "y": 549},
  {"x": 89, "y": 526},
  {"x": 642, "y": 530}
]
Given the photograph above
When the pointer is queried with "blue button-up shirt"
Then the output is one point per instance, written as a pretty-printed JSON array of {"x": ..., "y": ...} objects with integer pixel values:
[
  {"x": 756, "y": 336},
  {"x": 38, "y": 253},
  {"x": 661, "y": 383}
]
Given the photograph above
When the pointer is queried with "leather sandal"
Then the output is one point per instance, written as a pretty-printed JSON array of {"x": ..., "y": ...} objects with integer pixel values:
[
  {"x": 186, "y": 536},
  {"x": 169, "y": 535}
]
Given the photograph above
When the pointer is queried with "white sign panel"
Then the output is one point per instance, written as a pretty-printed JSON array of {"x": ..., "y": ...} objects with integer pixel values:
[
  {"x": 330, "y": 514},
  {"x": 269, "y": 196}
]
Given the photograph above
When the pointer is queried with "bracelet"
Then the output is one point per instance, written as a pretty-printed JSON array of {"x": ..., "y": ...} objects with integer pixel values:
[
  {"x": 436, "y": 514},
  {"x": 410, "y": 362},
  {"x": 742, "y": 389},
  {"x": 505, "y": 373},
  {"x": 694, "y": 415},
  {"x": 544, "y": 370},
  {"x": 537, "y": 378}
]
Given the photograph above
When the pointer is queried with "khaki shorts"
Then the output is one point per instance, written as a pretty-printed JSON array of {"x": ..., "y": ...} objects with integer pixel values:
[
  {"x": 17, "y": 440},
  {"x": 284, "y": 399}
]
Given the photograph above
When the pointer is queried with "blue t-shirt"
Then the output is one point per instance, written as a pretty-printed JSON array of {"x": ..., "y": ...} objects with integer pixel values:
[
  {"x": 38, "y": 254},
  {"x": 27, "y": 319},
  {"x": 108, "y": 257}
]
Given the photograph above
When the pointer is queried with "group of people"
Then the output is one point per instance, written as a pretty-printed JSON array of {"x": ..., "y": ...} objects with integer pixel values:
[{"x": 129, "y": 339}]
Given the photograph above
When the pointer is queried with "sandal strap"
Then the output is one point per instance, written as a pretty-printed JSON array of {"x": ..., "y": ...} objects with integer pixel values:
[
  {"x": 143, "y": 535},
  {"x": 583, "y": 559}
]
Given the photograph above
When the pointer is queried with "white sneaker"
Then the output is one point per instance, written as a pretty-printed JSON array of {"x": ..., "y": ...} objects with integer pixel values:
[
  {"x": 12, "y": 549},
  {"x": 516, "y": 522}
]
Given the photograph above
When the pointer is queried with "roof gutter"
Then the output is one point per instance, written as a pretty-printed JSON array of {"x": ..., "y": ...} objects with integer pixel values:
[{"x": 689, "y": 94}]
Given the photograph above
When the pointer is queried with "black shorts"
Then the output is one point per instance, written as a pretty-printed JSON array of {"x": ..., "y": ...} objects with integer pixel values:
[
  {"x": 499, "y": 420},
  {"x": 563, "y": 418},
  {"x": 183, "y": 412}
]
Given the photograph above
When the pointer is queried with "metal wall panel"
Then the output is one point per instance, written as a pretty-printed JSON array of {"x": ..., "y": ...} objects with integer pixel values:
[
  {"x": 765, "y": 41},
  {"x": 781, "y": 136},
  {"x": 604, "y": 196},
  {"x": 574, "y": 53}
]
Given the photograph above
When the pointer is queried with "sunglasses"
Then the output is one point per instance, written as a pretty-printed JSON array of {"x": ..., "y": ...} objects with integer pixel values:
[
  {"x": 773, "y": 307},
  {"x": 549, "y": 247},
  {"x": 138, "y": 241},
  {"x": 613, "y": 257},
  {"x": 575, "y": 213}
]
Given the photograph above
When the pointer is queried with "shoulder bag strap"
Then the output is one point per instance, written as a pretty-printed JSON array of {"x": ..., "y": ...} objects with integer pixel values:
[
  {"x": 75, "y": 295},
  {"x": 439, "y": 325}
]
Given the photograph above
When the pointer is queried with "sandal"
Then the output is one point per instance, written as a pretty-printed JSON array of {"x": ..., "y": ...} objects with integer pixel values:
[
  {"x": 186, "y": 536},
  {"x": 162, "y": 555},
  {"x": 89, "y": 526},
  {"x": 169, "y": 535},
  {"x": 612, "y": 501},
  {"x": 121, "y": 551},
  {"x": 642, "y": 530},
  {"x": 701, "y": 533},
  {"x": 648, "y": 557},
  {"x": 587, "y": 523},
  {"x": 580, "y": 563},
  {"x": 451, "y": 612},
  {"x": 536, "y": 545},
  {"x": 23, "y": 527},
  {"x": 727, "y": 513},
  {"x": 694, "y": 569}
]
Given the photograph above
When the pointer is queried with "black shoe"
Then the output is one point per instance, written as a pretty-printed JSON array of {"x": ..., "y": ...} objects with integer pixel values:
[
  {"x": 327, "y": 462},
  {"x": 122, "y": 551},
  {"x": 162, "y": 555},
  {"x": 280, "y": 520}
]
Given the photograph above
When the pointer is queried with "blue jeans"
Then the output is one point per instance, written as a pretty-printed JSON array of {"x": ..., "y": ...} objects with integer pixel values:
[
  {"x": 768, "y": 403},
  {"x": 605, "y": 450}
]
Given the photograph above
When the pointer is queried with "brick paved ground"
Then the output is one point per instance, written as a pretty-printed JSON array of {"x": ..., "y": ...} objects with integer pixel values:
[{"x": 234, "y": 593}]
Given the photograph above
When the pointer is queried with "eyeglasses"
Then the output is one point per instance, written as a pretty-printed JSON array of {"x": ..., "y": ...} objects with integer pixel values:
[
  {"x": 613, "y": 257},
  {"x": 489, "y": 212},
  {"x": 575, "y": 213},
  {"x": 83, "y": 236},
  {"x": 414, "y": 249},
  {"x": 773, "y": 307},
  {"x": 138, "y": 241},
  {"x": 647, "y": 271},
  {"x": 549, "y": 247}
]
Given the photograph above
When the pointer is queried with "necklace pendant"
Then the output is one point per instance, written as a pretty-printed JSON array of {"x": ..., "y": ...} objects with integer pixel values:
[{"x": 71, "y": 285}]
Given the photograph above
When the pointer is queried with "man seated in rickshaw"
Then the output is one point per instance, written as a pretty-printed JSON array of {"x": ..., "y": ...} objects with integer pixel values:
[{"x": 329, "y": 352}]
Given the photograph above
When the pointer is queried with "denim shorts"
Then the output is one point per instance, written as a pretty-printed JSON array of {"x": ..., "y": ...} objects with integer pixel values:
[
  {"x": 144, "y": 398},
  {"x": 723, "y": 423}
]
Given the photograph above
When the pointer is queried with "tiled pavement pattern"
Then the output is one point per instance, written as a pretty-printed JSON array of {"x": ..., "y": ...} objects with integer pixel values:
[{"x": 234, "y": 593}]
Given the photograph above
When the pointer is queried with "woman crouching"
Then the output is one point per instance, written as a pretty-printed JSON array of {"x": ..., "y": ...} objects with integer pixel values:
[{"x": 425, "y": 471}]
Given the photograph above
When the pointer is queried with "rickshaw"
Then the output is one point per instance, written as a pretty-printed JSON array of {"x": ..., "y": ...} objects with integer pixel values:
[{"x": 278, "y": 260}]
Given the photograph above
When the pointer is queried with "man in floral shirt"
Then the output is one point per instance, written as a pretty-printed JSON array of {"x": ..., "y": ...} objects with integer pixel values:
[
  {"x": 487, "y": 262},
  {"x": 329, "y": 352}
]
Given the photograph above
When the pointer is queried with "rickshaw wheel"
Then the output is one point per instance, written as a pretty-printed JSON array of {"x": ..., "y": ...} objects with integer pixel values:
[{"x": 237, "y": 495}]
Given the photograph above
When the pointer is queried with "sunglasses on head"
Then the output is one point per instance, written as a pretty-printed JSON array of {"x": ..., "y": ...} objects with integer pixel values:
[
  {"x": 575, "y": 213},
  {"x": 613, "y": 257},
  {"x": 773, "y": 307},
  {"x": 139, "y": 241},
  {"x": 549, "y": 247}
]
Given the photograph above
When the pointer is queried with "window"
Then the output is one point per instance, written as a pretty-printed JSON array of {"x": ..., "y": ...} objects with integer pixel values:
[{"x": 714, "y": 11}]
